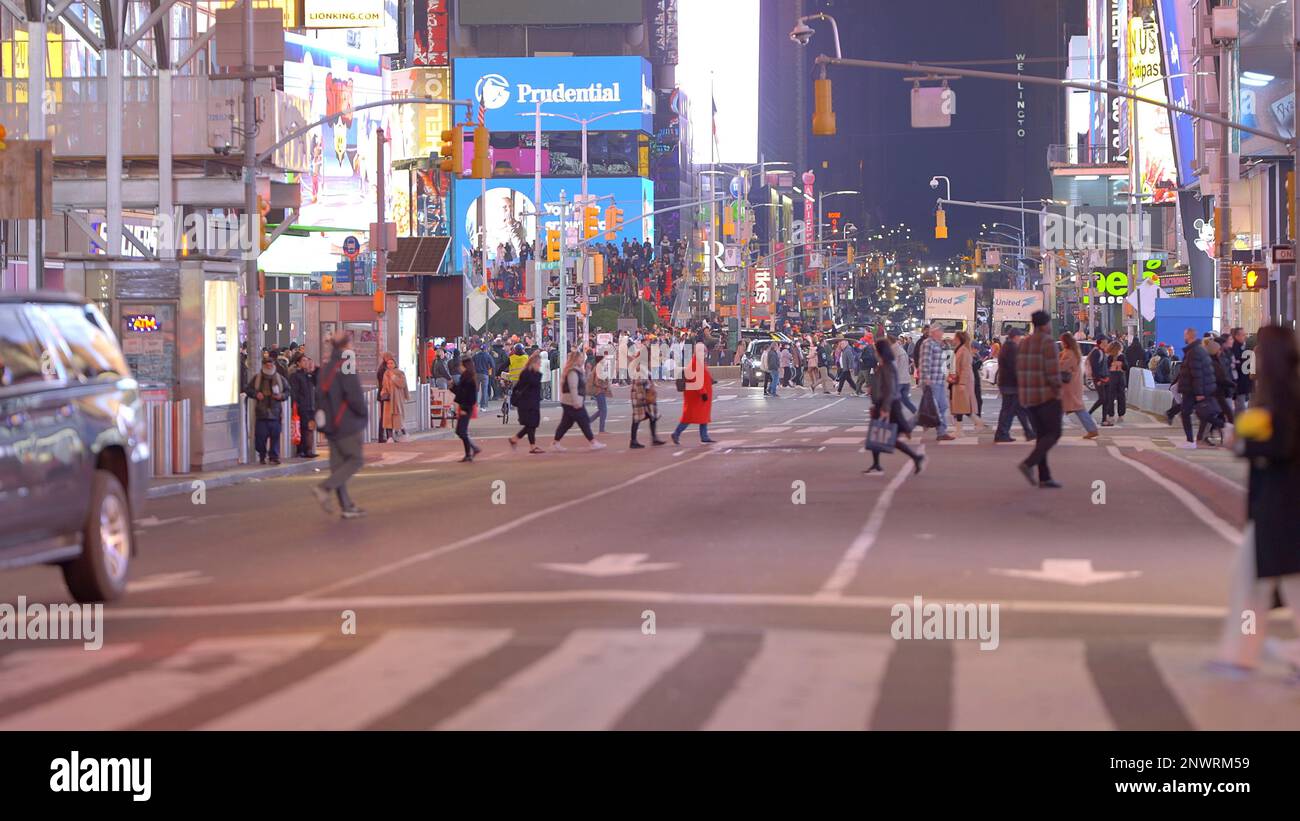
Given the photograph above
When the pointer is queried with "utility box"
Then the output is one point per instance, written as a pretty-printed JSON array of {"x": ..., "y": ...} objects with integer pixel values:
[{"x": 268, "y": 37}]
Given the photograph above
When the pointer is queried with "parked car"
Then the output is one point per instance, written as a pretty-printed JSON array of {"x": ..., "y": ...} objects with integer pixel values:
[{"x": 74, "y": 457}]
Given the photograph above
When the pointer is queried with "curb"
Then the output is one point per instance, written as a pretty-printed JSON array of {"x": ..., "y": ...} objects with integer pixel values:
[{"x": 237, "y": 476}]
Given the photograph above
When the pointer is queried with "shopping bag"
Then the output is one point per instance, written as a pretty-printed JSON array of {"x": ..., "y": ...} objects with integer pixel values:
[
  {"x": 882, "y": 436},
  {"x": 927, "y": 415},
  {"x": 296, "y": 427}
]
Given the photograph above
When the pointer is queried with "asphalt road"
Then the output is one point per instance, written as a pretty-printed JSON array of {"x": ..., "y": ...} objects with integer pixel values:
[{"x": 751, "y": 584}]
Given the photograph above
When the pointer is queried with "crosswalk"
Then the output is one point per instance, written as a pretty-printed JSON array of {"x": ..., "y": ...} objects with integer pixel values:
[{"x": 595, "y": 679}]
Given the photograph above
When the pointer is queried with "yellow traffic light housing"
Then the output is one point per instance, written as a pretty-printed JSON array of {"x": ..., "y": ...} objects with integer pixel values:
[
  {"x": 552, "y": 245},
  {"x": 2, "y": 137},
  {"x": 613, "y": 222},
  {"x": 849, "y": 253},
  {"x": 263, "y": 208},
  {"x": 590, "y": 221},
  {"x": 327, "y": 283},
  {"x": 1255, "y": 278},
  {"x": 940, "y": 224},
  {"x": 378, "y": 304},
  {"x": 823, "y": 124},
  {"x": 482, "y": 166},
  {"x": 452, "y": 151}
]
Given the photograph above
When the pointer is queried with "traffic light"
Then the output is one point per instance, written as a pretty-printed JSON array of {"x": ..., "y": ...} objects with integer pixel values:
[
  {"x": 327, "y": 283},
  {"x": 940, "y": 224},
  {"x": 482, "y": 168},
  {"x": 452, "y": 151},
  {"x": 378, "y": 301},
  {"x": 823, "y": 124},
  {"x": 263, "y": 208},
  {"x": 613, "y": 222},
  {"x": 549, "y": 310},
  {"x": 2, "y": 138},
  {"x": 590, "y": 221},
  {"x": 849, "y": 253},
  {"x": 979, "y": 257},
  {"x": 1235, "y": 278},
  {"x": 552, "y": 245},
  {"x": 261, "y": 284}
]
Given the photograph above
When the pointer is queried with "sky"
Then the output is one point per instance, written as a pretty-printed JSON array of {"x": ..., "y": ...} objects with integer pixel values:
[{"x": 718, "y": 41}]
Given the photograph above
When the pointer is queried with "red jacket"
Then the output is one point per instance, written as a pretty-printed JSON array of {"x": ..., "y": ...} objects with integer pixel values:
[{"x": 697, "y": 401}]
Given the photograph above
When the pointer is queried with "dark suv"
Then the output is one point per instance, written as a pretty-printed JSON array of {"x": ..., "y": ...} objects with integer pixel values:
[{"x": 74, "y": 458}]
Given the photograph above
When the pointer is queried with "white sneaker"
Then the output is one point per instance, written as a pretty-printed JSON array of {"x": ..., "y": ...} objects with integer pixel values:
[
  {"x": 1187, "y": 445},
  {"x": 597, "y": 445},
  {"x": 559, "y": 447}
]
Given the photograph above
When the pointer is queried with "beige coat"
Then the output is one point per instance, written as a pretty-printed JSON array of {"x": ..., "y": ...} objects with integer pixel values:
[
  {"x": 963, "y": 390},
  {"x": 394, "y": 409},
  {"x": 1072, "y": 391}
]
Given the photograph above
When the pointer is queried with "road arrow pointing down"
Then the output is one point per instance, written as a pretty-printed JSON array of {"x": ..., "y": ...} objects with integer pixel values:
[
  {"x": 611, "y": 564},
  {"x": 1077, "y": 572}
]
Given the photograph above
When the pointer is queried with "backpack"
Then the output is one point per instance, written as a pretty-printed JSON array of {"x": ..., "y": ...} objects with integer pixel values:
[{"x": 328, "y": 418}]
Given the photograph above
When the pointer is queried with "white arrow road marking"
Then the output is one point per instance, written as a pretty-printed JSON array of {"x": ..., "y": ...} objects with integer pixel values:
[
  {"x": 1077, "y": 572},
  {"x": 164, "y": 581},
  {"x": 611, "y": 564}
]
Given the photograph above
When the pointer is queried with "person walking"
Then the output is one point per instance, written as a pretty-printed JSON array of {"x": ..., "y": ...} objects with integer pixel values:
[
  {"x": 439, "y": 373},
  {"x": 1070, "y": 363},
  {"x": 903, "y": 373},
  {"x": 341, "y": 416},
  {"x": 483, "y": 367},
  {"x": 771, "y": 369},
  {"x": 380, "y": 399},
  {"x": 1009, "y": 390},
  {"x": 1268, "y": 559},
  {"x": 1038, "y": 375},
  {"x": 466, "y": 392},
  {"x": 302, "y": 387},
  {"x": 934, "y": 377},
  {"x": 963, "y": 385},
  {"x": 1195, "y": 382},
  {"x": 1099, "y": 368},
  {"x": 395, "y": 393},
  {"x": 1118, "y": 382},
  {"x": 786, "y": 365},
  {"x": 1241, "y": 375},
  {"x": 598, "y": 389},
  {"x": 812, "y": 366},
  {"x": 573, "y": 389},
  {"x": 268, "y": 389},
  {"x": 527, "y": 399},
  {"x": 848, "y": 361},
  {"x": 887, "y": 406},
  {"x": 697, "y": 399},
  {"x": 645, "y": 400}
]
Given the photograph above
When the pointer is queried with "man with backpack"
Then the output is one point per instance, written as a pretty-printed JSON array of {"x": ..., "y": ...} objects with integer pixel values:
[
  {"x": 269, "y": 389},
  {"x": 341, "y": 416}
]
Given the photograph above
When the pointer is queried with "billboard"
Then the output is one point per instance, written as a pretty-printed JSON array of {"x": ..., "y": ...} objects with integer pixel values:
[
  {"x": 570, "y": 12},
  {"x": 1265, "y": 94},
  {"x": 509, "y": 209},
  {"x": 419, "y": 127},
  {"x": 339, "y": 189},
  {"x": 430, "y": 33},
  {"x": 1175, "y": 21},
  {"x": 1150, "y": 123},
  {"x": 580, "y": 87},
  {"x": 343, "y": 14}
]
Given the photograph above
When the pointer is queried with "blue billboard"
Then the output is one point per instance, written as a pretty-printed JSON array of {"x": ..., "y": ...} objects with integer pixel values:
[
  {"x": 577, "y": 87},
  {"x": 1175, "y": 24},
  {"x": 509, "y": 209}
]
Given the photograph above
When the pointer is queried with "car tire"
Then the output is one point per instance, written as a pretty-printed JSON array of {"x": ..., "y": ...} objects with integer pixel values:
[{"x": 100, "y": 572}]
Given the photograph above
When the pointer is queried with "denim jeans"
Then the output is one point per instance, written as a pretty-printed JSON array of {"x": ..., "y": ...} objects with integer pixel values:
[
  {"x": 939, "y": 391},
  {"x": 267, "y": 429},
  {"x": 602, "y": 411},
  {"x": 905, "y": 396},
  {"x": 484, "y": 391},
  {"x": 682, "y": 426}
]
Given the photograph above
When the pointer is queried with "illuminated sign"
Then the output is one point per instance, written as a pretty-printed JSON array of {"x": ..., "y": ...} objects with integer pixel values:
[
  {"x": 1112, "y": 286},
  {"x": 343, "y": 14},
  {"x": 1152, "y": 133},
  {"x": 142, "y": 323},
  {"x": 580, "y": 87},
  {"x": 762, "y": 286}
]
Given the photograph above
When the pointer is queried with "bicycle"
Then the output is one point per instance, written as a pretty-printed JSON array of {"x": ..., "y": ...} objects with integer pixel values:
[{"x": 505, "y": 385}]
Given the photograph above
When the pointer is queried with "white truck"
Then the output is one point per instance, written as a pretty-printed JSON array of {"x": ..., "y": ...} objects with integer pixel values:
[
  {"x": 1012, "y": 309},
  {"x": 952, "y": 308}
]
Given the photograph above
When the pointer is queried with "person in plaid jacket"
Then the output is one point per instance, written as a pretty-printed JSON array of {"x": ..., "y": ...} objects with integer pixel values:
[
  {"x": 645, "y": 399},
  {"x": 1038, "y": 378}
]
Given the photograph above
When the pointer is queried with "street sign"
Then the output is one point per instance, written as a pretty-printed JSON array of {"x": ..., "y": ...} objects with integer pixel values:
[
  {"x": 932, "y": 106},
  {"x": 481, "y": 308},
  {"x": 1283, "y": 254},
  {"x": 351, "y": 247}
]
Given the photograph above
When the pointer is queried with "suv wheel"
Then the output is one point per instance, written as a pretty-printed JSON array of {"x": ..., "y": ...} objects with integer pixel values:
[{"x": 100, "y": 572}]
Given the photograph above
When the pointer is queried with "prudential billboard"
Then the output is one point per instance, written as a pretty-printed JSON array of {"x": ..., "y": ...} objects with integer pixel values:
[{"x": 579, "y": 87}]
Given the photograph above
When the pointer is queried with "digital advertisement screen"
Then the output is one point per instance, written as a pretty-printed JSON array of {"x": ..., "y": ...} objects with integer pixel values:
[{"x": 718, "y": 62}]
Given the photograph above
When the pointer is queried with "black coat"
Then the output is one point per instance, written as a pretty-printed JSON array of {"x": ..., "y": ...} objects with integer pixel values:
[
  {"x": 1270, "y": 503},
  {"x": 527, "y": 398},
  {"x": 466, "y": 393},
  {"x": 302, "y": 387}
]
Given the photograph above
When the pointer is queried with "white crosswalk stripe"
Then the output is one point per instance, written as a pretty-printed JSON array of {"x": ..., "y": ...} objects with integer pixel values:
[
  {"x": 795, "y": 679},
  {"x": 807, "y": 681},
  {"x": 584, "y": 684},
  {"x": 351, "y": 694},
  {"x": 203, "y": 667}
]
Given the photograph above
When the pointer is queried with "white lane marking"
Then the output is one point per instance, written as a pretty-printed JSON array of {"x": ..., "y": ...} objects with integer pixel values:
[
  {"x": 1223, "y": 481},
  {"x": 773, "y": 429},
  {"x": 166, "y": 581},
  {"x": 24, "y": 671},
  {"x": 570, "y": 597},
  {"x": 815, "y": 410},
  {"x": 844, "y": 440},
  {"x": 492, "y": 533},
  {"x": 847, "y": 569},
  {"x": 198, "y": 669},
  {"x": 804, "y": 680},
  {"x": 1260, "y": 701},
  {"x": 1025, "y": 684},
  {"x": 857, "y": 429},
  {"x": 818, "y": 429},
  {"x": 584, "y": 684},
  {"x": 610, "y": 564},
  {"x": 391, "y": 457},
  {"x": 1229, "y": 533},
  {"x": 1066, "y": 441},
  {"x": 960, "y": 440},
  {"x": 351, "y": 694},
  {"x": 450, "y": 457},
  {"x": 388, "y": 474},
  {"x": 1139, "y": 442}
]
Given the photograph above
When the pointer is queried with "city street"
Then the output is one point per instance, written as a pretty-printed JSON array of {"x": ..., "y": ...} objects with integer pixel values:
[{"x": 743, "y": 585}]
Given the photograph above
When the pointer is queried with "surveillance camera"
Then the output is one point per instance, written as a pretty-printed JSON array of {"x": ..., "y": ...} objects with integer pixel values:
[
  {"x": 934, "y": 183},
  {"x": 801, "y": 33}
]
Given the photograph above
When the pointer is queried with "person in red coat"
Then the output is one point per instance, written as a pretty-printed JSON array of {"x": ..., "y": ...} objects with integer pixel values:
[{"x": 697, "y": 401}]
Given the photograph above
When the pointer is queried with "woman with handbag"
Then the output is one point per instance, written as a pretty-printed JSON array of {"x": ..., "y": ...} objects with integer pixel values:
[
  {"x": 1070, "y": 363},
  {"x": 527, "y": 399},
  {"x": 887, "y": 409},
  {"x": 645, "y": 404},
  {"x": 394, "y": 393}
]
